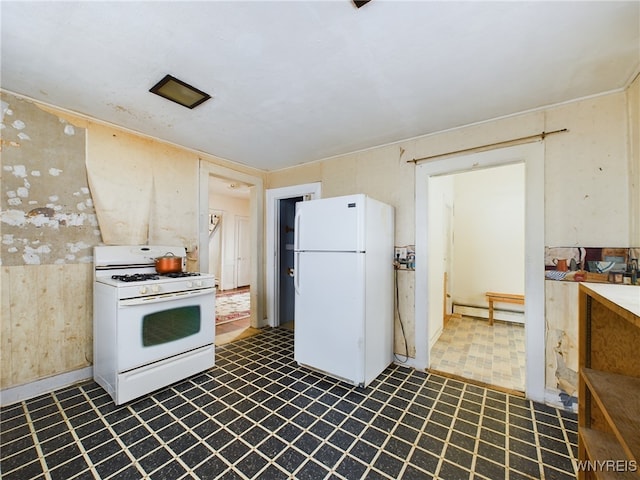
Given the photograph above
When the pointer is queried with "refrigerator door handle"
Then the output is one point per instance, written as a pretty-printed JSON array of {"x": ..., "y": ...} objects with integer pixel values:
[
  {"x": 296, "y": 275},
  {"x": 296, "y": 253},
  {"x": 296, "y": 230}
]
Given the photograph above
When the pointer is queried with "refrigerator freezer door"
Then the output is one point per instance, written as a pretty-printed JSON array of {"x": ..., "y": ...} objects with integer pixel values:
[
  {"x": 331, "y": 224},
  {"x": 329, "y": 313}
]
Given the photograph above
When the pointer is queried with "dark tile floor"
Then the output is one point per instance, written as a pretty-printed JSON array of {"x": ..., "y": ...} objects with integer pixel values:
[{"x": 256, "y": 414}]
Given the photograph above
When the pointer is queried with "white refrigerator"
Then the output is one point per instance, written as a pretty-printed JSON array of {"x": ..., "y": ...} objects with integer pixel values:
[{"x": 344, "y": 289}]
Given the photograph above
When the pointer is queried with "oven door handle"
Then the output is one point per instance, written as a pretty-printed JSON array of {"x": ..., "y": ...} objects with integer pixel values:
[{"x": 132, "y": 302}]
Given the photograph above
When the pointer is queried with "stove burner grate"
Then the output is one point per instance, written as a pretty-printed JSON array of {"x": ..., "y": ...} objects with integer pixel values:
[
  {"x": 181, "y": 274},
  {"x": 136, "y": 277}
]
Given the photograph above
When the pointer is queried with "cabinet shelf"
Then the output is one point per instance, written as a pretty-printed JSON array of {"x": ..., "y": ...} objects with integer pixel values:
[
  {"x": 609, "y": 381},
  {"x": 618, "y": 397},
  {"x": 604, "y": 445}
]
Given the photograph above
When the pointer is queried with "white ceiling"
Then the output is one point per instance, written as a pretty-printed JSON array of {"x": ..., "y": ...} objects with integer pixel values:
[{"x": 297, "y": 81}]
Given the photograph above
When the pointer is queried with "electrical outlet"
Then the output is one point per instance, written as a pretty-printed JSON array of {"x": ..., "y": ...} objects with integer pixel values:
[{"x": 401, "y": 254}]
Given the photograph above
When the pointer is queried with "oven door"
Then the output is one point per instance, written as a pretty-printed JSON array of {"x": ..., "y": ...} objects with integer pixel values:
[{"x": 155, "y": 328}]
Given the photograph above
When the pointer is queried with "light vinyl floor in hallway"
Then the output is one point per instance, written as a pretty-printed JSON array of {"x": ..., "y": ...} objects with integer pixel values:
[{"x": 490, "y": 354}]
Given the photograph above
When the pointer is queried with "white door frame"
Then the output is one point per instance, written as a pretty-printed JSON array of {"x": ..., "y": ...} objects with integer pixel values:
[
  {"x": 274, "y": 195},
  {"x": 256, "y": 228},
  {"x": 532, "y": 155}
]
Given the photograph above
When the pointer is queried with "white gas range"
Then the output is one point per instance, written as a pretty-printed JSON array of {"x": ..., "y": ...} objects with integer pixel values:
[{"x": 149, "y": 330}]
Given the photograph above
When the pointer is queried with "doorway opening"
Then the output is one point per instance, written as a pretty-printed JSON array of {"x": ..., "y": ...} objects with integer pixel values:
[
  {"x": 478, "y": 233},
  {"x": 286, "y": 290},
  {"x": 229, "y": 248},
  {"x": 233, "y": 314},
  {"x": 280, "y": 241},
  {"x": 229, "y": 255},
  {"x": 429, "y": 307}
]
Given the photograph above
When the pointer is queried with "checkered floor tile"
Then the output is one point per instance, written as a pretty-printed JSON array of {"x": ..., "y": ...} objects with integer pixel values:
[{"x": 258, "y": 415}]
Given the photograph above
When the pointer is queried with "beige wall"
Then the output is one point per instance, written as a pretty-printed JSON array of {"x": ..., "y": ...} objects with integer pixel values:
[
  {"x": 144, "y": 191},
  {"x": 591, "y": 188},
  {"x": 384, "y": 174},
  {"x": 592, "y": 198},
  {"x": 489, "y": 234},
  {"x": 633, "y": 102},
  {"x": 586, "y": 174},
  {"x": 46, "y": 314}
]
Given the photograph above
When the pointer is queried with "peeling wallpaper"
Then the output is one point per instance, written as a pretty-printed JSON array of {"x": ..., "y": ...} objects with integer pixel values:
[{"x": 47, "y": 212}]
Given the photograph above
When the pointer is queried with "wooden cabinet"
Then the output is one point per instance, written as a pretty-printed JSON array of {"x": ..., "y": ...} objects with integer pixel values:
[{"x": 609, "y": 382}]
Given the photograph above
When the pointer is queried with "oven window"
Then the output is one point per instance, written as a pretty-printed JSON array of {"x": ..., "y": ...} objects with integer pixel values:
[{"x": 170, "y": 325}]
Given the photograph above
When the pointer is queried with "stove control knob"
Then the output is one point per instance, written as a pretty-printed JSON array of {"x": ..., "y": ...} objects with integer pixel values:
[
  {"x": 143, "y": 290},
  {"x": 155, "y": 288},
  {"x": 189, "y": 284},
  {"x": 199, "y": 283}
]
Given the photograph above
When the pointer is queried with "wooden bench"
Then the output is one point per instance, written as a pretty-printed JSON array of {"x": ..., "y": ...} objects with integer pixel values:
[{"x": 502, "y": 298}]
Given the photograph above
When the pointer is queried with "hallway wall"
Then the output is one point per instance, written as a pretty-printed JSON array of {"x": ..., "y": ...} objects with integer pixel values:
[
  {"x": 231, "y": 208},
  {"x": 488, "y": 233}
]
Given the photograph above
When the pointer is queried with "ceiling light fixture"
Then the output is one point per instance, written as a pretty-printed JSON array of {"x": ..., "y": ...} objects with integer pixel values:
[{"x": 180, "y": 92}]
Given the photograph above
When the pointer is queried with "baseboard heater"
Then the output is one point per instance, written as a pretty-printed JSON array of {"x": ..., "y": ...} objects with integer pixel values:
[{"x": 504, "y": 315}]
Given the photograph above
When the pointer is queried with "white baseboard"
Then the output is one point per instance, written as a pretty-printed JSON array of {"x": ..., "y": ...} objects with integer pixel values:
[
  {"x": 17, "y": 394},
  {"x": 483, "y": 312},
  {"x": 435, "y": 337}
]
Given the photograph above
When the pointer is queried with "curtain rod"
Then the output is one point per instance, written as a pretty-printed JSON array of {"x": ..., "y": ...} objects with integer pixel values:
[{"x": 515, "y": 141}]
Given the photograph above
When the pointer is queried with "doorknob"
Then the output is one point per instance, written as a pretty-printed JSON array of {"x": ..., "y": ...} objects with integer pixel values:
[{"x": 290, "y": 272}]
